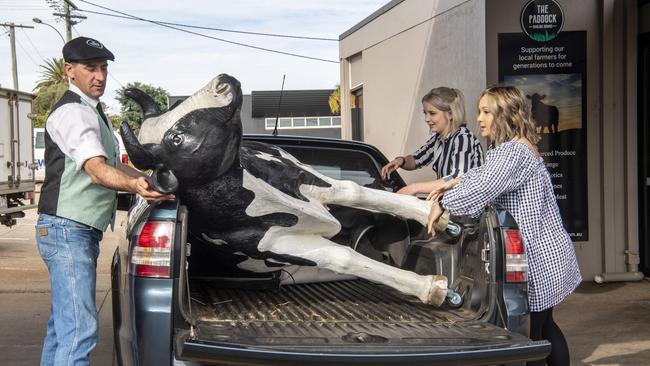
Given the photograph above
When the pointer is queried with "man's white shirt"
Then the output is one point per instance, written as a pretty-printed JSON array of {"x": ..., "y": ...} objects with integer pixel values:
[{"x": 75, "y": 129}]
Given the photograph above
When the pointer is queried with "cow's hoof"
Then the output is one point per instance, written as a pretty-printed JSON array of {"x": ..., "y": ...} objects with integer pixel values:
[{"x": 437, "y": 291}]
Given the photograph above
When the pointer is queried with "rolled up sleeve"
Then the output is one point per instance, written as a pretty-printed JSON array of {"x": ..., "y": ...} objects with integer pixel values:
[
  {"x": 505, "y": 169},
  {"x": 76, "y": 131}
]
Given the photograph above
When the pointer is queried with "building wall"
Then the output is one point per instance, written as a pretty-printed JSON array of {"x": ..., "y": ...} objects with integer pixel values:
[
  {"x": 411, "y": 46},
  {"x": 611, "y": 121},
  {"x": 252, "y": 125},
  {"x": 405, "y": 52},
  {"x": 644, "y": 19}
]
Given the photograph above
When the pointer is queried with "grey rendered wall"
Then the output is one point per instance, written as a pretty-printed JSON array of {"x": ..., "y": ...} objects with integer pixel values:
[
  {"x": 611, "y": 120},
  {"x": 413, "y": 47},
  {"x": 644, "y": 19}
]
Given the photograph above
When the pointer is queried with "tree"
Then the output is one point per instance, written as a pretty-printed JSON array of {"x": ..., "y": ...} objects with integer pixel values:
[
  {"x": 115, "y": 121},
  {"x": 130, "y": 111},
  {"x": 335, "y": 100},
  {"x": 51, "y": 86}
]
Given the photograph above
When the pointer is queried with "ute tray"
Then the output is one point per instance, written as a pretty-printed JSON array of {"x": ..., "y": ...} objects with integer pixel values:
[{"x": 344, "y": 316}]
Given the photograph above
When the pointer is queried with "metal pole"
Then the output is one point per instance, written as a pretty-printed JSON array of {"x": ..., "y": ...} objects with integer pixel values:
[
  {"x": 67, "y": 17},
  {"x": 68, "y": 25},
  {"x": 277, "y": 116},
  {"x": 14, "y": 65},
  {"x": 38, "y": 21},
  {"x": 12, "y": 40}
]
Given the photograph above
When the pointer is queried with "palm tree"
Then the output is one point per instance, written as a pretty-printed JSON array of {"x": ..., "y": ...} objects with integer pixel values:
[
  {"x": 52, "y": 73},
  {"x": 335, "y": 100},
  {"x": 51, "y": 86}
]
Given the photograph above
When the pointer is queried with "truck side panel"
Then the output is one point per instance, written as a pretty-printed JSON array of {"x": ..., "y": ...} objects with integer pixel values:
[
  {"x": 16, "y": 144},
  {"x": 16, "y": 155}
]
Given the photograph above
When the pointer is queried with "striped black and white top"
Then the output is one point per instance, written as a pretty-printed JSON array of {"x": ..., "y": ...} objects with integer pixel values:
[
  {"x": 458, "y": 153},
  {"x": 514, "y": 178}
]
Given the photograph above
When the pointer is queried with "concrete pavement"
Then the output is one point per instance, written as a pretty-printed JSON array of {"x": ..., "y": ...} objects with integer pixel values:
[
  {"x": 605, "y": 324},
  {"x": 25, "y": 295}
]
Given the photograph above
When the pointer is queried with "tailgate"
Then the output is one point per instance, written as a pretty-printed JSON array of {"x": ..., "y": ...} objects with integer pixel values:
[{"x": 345, "y": 322}]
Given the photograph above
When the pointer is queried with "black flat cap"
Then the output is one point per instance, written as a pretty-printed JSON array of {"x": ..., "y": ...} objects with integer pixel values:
[{"x": 84, "y": 48}]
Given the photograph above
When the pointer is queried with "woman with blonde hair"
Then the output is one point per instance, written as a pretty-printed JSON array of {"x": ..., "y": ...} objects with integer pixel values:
[
  {"x": 451, "y": 151},
  {"x": 514, "y": 176}
]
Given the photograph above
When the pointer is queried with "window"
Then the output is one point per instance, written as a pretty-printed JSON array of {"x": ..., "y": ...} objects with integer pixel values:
[
  {"x": 341, "y": 164},
  {"x": 40, "y": 140},
  {"x": 298, "y": 122},
  {"x": 303, "y": 122}
]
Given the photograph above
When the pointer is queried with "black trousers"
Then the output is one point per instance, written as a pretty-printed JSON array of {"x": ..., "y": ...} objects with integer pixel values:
[{"x": 542, "y": 326}]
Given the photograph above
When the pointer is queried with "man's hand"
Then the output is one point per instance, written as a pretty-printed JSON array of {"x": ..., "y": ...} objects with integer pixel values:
[
  {"x": 144, "y": 189},
  {"x": 122, "y": 178}
]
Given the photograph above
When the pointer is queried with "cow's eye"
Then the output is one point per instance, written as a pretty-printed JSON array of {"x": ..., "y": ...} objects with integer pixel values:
[{"x": 177, "y": 139}]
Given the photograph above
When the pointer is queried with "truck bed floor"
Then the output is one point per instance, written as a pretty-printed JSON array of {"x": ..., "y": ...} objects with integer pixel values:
[{"x": 344, "y": 314}]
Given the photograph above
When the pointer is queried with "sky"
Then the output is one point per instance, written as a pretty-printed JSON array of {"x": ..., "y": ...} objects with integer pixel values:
[{"x": 182, "y": 63}]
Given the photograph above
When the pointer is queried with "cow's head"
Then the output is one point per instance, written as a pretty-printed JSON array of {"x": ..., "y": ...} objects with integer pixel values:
[
  {"x": 536, "y": 98},
  {"x": 194, "y": 142}
]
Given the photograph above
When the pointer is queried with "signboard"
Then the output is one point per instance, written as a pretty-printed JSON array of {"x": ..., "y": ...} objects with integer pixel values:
[
  {"x": 542, "y": 20},
  {"x": 552, "y": 74}
]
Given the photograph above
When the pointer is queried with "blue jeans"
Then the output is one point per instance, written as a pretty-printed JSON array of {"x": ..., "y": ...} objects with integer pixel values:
[{"x": 70, "y": 250}]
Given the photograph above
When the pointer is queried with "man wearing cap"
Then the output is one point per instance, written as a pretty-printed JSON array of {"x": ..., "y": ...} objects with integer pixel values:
[{"x": 78, "y": 201}]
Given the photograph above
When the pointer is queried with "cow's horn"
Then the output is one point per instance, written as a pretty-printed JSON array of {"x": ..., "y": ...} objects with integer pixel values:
[
  {"x": 146, "y": 103},
  {"x": 141, "y": 155}
]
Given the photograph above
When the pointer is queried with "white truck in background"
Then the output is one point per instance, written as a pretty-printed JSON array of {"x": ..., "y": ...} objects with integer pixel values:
[
  {"x": 39, "y": 154},
  {"x": 17, "y": 183}
]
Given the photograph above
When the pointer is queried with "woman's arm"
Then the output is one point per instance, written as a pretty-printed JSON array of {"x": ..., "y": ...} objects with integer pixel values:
[
  {"x": 422, "y": 187},
  {"x": 504, "y": 171},
  {"x": 405, "y": 162}
]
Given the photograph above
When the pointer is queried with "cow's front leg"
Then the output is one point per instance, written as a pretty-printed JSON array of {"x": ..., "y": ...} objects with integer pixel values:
[
  {"x": 430, "y": 289},
  {"x": 350, "y": 194}
]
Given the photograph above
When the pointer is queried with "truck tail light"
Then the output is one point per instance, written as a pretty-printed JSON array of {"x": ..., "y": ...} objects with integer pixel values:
[
  {"x": 516, "y": 260},
  {"x": 151, "y": 252},
  {"x": 125, "y": 159},
  {"x": 29, "y": 196}
]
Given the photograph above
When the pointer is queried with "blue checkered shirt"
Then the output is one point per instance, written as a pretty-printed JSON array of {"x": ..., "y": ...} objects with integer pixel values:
[{"x": 514, "y": 178}]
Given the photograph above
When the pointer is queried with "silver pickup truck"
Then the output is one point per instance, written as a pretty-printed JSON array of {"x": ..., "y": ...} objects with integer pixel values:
[{"x": 175, "y": 304}]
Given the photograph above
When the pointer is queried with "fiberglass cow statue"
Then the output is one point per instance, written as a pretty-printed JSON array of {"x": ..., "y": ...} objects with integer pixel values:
[{"x": 256, "y": 198}]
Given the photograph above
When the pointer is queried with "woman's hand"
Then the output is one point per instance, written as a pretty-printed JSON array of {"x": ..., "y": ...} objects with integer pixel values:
[
  {"x": 434, "y": 215},
  {"x": 440, "y": 188},
  {"x": 387, "y": 169}
]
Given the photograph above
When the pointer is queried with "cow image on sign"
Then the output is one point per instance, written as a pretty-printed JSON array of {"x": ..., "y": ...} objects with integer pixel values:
[
  {"x": 546, "y": 116},
  {"x": 257, "y": 199}
]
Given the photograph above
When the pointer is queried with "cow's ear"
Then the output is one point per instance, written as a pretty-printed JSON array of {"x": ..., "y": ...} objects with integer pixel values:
[
  {"x": 528, "y": 96},
  {"x": 164, "y": 181}
]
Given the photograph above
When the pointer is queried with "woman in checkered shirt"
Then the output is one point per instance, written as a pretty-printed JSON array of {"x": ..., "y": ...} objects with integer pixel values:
[
  {"x": 451, "y": 150},
  {"x": 515, "y": 177}
]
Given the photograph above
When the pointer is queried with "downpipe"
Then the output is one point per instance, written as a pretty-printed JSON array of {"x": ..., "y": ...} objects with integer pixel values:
[{"x": 632, "y": 274}]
